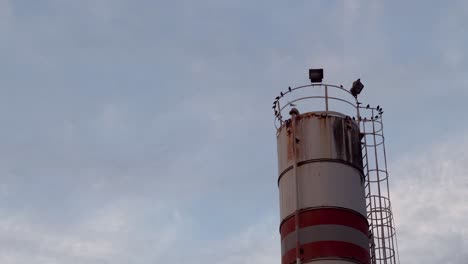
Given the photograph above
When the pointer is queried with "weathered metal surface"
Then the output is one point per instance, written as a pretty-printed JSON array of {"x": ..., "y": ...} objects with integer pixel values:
[
  {"x": 319, "y": 136},
  {"x": 330, "y": 261},
  {"x": 322, "y": 184},
  {"x": 325, "y": 216},
  {"x": 337, "y": 250},
  {"x": 320, "y": 166},
  {"x": 325, "y": 233},
  {"x": 347, "y": 231}
]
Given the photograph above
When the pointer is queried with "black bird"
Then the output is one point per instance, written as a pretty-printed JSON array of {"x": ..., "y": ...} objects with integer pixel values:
[
  {"x": 381, "y": 112},
  {"x": 358, "y": 103},
  {"x": 354, "y": 118},
  {"x": 289, "y": 88},
  {"x": 378, "y": 107},
  {"x": 274, "y": 106},
  {"x": 341, "y": 86},
  {"x": 367, "y": 106},
  {"x": 277, "y": 98},
  {"x": 294, "y": 111},
  {"x": 276, "y": 113},
  {"x": 292, "y": 105},
  {"x": 281, "y": 93},
  {"x": 376, "y": 117}
]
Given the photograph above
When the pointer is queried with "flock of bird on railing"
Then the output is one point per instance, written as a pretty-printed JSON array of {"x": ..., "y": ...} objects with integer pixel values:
[{"x": 278, "y": 111}]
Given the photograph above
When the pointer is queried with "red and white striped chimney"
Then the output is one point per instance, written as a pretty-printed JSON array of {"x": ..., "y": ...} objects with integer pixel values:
[{"x": 321, "y": 186}]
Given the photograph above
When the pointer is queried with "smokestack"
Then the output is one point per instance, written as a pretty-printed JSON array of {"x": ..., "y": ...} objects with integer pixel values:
[{"x": 334, "y": 197}]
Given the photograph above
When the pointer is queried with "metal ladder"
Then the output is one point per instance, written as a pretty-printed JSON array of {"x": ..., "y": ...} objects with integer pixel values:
[
  {"x": 365, "y": 168},
  {"x": 382, "y": 236}
]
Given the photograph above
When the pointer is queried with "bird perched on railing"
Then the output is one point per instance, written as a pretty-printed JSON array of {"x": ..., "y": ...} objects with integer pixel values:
[{"x": 294, "y": 111}]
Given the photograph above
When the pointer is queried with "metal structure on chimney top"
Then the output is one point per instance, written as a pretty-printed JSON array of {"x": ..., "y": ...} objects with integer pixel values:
[{"x": 333, "y": 180}]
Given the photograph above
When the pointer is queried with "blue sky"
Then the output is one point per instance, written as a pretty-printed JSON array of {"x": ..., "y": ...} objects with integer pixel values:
[{"x": 142, "y": 131}]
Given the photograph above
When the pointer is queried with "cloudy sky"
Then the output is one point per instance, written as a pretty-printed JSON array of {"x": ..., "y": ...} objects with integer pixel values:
[{"x": 141, "y": 131}]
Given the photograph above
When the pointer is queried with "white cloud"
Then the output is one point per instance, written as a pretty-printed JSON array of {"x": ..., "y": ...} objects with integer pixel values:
[
  {"x": 430, "y": 197},
  {"x": 111, "y": 155},
  {"x": 118, "y": 234},
  {"x": 258, "y": 243}
]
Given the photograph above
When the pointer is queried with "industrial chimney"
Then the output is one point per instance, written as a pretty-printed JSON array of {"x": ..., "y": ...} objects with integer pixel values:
[{"x": 332, "y": 177}]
